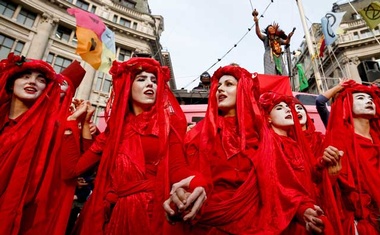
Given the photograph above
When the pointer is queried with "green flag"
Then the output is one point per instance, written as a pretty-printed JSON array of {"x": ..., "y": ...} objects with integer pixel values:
[
  {"x": 302, "y": 78},
  {"x": 371, "y": 14}
]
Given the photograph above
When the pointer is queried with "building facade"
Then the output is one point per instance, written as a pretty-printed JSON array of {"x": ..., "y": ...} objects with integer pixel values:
[
  {"x": 356, "y": 46},
  {"x": 42, "y": 29}
]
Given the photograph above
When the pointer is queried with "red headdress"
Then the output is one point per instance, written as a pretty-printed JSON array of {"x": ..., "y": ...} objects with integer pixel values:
[
  {"x": 24, "y": 147},
  {"x": 248, "y": 114},
  {"x": 73, "y": 74},
  {"x": 15, "y": 65},
  {"x": 165, "y": 116}
]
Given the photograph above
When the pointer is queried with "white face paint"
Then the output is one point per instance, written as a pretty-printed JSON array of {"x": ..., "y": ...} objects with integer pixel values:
[
  {"x": 226, "y": 95},
  {"x": 29, "y": 86},
  {"x": 64, "y": 86},
  {"x": 363, "y": 105},
  {"x": 144, "y": 88},
  {"x": 302, "y": 116},
  {"x": 281, "y": 116}
]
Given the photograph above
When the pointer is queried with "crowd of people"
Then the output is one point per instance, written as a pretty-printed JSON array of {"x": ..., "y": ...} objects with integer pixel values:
[{"x": 254, "y": 165}]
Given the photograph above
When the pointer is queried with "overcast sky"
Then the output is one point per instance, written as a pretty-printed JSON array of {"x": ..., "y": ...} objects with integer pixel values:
[{"x": 198, "y": 32}]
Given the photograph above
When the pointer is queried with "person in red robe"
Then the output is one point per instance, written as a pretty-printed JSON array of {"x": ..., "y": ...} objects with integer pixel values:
[
  {"x": 140, "y": 153},
  {"x": 58, "y": 192},
  {"x": 233, "y": 148},
  {"x": 354, "y": 128},
  {"x": 287, "y": 132},
  {"x": 29, "y": 100}
]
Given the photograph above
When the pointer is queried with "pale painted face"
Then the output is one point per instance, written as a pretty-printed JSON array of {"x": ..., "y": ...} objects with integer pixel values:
[
  {"x": 226, "y": 95},
  {"x": 301, "y": 112},
  {"x": 363, "y": 105},
  {"x": 144, "y": 88},
  {"x": 64, "y": 86},
  {"x": 29, "y": 86},
  {"x": 280, "y": 116}
]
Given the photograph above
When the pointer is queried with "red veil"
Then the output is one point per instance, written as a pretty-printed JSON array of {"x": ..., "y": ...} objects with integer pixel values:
[
  {"x": 202, "y": 137},
  {"x": 167, "y": 116},
  {"x": 282, "y": 191},
  {"x": 57, "y": 193},
  {"x": 25, "y": 151},
  {"x": 357, "y": 172}
]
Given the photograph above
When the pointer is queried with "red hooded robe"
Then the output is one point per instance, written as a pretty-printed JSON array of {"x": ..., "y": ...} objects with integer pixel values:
[
  {"x": 357, "y": 184},
  {"x": 25, "y": 148}
]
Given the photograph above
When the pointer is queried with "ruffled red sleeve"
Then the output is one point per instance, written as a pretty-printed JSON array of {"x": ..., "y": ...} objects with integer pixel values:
[
  {"x": 178, "y": 168},
  {"x": 73, "y": 163}
]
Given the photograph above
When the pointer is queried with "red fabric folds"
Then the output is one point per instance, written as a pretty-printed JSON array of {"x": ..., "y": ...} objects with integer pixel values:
[
  {"x": 26, "y": 149},
  {"x": 123, "y": 160},
  {"x": 357, "y": 183}
]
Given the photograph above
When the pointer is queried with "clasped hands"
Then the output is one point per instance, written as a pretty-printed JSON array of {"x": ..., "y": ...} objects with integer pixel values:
[
  {"x": 182, "y": 204},
  {"x": 313, "y": 223}
]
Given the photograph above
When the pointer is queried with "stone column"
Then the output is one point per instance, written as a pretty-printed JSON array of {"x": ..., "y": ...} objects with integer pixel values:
[
  {"x": 40, "y": 41},
  {"x": 85, "y": 89}
]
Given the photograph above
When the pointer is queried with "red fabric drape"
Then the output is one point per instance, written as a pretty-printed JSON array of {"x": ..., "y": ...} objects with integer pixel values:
[
  {"x": 356, "y": 184},
  {"x": 56, "y": 193},
  {"x": 25, "y": 150},
  {"x": 123, "y": 139}
]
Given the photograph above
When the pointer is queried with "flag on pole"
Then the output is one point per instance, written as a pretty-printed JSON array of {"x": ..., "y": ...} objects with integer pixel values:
[
  {"x": 371, "y": 14},
  {"x": 330, "y": 25},
  {"x": 302, "y": 78},
  {"x": 96, "y": 42},
  {"x": 321, "y": 46}
]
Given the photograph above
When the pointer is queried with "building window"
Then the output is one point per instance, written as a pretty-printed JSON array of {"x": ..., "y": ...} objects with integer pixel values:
[
  {"x": 59, "y": 63},
  {"x": 356, "y": 36},
  {"x": 82, "y": 4},
  {"x": 365, "y": 33},
  {"x": 7, "y": 9},
  {"x": 93, "y": 9},
  {"x": 355, "y": 16},
  {"x": 63, "y": 33},
  {"x": 125, "y": 22},
  {"x": 124, "y": 54},
  {"x": 26, "y": 18},
  {"x": 134, "y": 25},
  {"x": 129, "y": 4},
  {"x": 103, "y": 83},
  {"x": 114, "y": 19},
  {"x": 18, "y": 48},
  {"x": 376, "y": 30},
  {"x": 75, "y": 40},
  {"x": 8, "y": 45},
  {"x": 99, "y": 114}
]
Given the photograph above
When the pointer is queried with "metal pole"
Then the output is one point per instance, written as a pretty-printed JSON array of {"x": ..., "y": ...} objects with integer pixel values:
[
  {"x": 310, "y": 46},
  {"x": 289, "y": 60}
]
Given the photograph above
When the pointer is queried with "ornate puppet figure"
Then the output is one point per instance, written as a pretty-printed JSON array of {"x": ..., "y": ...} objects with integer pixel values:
[{"x": 273, "y": 39}]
